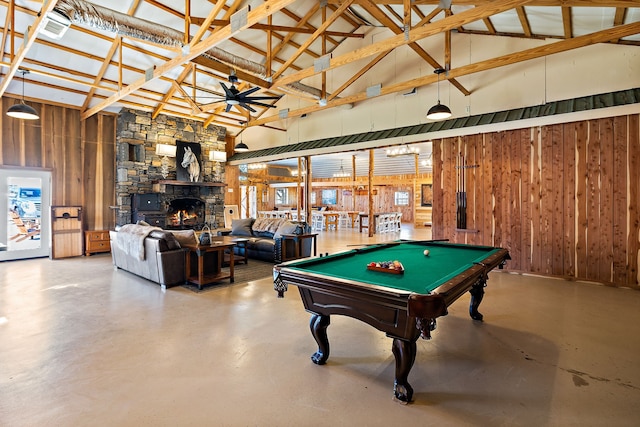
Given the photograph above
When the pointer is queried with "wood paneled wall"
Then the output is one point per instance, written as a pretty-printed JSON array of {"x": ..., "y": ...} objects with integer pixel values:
[
  {"x": 563, "y": 199},
  {"x": 80, "y": 155}
]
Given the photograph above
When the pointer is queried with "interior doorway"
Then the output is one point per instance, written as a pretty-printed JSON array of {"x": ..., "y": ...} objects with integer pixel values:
[
  {"x": 25, "y": 205},
  {"x": 248, "y": 201}
]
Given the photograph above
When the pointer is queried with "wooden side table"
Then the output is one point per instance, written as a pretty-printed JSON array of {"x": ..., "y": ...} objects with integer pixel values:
[
  {"x": 96, "y": 241},
  {"x": 207, "y": 270},
  {"x": 297, "y": 240}
]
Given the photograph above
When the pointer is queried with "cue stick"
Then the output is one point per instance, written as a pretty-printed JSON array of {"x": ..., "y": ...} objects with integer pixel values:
[{"x": 397, "y": 243}]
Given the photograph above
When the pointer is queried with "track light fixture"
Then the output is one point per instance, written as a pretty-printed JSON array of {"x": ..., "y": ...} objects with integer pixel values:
[{"x": 439, "y": 111}]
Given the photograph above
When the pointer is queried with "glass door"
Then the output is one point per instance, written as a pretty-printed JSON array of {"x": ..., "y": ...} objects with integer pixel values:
[{"x": 25, "y": 203}]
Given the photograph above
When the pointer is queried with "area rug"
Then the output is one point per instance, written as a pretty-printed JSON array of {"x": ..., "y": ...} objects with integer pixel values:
[{"x": 242, "y": 273}]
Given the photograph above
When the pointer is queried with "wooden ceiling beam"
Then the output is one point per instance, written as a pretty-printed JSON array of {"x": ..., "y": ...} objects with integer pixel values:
[
  {"x": 206, "y": 23},
  {"x": 385, "y": 20},
  {"x": 295, "y": 18},
  {"x": 489, "y": 64},
  {"x": 416, "y": 34},
  {"x": 261, "y": 12},
  {"x": 300, "y": 23},
  {"x": 524, "y": 21},
  {"x": 117, "y": 42},
  {"x": 335, "y": 15},
  {"x": 28, "y": 42},
  {"x": 280, "y": 28},
  {"x": 569, "y": 3},
  {"x": 167, "y": 96},
  {"x": 357, "y": 75},
  {"x": 567, "y": 22},
  {"x": 619, "y": 17}
]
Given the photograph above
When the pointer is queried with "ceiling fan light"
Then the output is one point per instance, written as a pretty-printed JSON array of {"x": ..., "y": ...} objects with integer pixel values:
[
  {"x": 22, "y": 111},
  {"x": 439, "y": 112},
  {"x": 241, "y": 147}
]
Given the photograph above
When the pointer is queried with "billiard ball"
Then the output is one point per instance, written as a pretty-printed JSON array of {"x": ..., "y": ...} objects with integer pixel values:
[{"x": 426, "y": 252}]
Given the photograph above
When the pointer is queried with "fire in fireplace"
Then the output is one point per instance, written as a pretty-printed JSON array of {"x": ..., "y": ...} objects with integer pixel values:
[{"x": 185, "y": 213}]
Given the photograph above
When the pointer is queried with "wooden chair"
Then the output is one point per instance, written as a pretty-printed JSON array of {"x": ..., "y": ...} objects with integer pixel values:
[{"x": 24, "y": 231}]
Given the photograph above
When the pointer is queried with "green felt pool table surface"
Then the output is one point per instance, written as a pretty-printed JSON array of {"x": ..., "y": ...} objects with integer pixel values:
[{"x": 422, "y": 274}]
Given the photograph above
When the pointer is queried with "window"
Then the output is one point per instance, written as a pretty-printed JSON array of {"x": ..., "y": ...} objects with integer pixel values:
[
  {"x": 329, "y": 197},
  {"x": 313, "y": 198},
  {"x": 282, "y": 196},
  {"x": 401, "y": 198}
]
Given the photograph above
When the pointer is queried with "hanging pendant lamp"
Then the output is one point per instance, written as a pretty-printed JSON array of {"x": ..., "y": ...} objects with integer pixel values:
[
  {"x": 241, "y": 147},
  {"x": 22, "y": 110},
  {"x": 439, "y": 111}
]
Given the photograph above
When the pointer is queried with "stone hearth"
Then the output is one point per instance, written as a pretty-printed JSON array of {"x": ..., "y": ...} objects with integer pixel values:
[{"x": 138, "y": 168}]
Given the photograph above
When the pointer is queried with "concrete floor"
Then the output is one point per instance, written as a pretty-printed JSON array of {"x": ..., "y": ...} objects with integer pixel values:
[{"x": 82, "y": 344}]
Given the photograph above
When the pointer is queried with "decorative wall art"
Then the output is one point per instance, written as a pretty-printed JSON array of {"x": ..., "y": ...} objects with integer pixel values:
[
  {"x": 188, "y": 163},
  {"x": 427, "y": 195}
]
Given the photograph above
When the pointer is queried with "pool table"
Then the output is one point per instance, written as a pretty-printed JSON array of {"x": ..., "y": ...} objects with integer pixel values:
[{"x": 404, "y": 304}]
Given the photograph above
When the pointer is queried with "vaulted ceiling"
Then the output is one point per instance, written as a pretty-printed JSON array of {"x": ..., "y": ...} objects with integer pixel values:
[{"x": 176, "y": 56}]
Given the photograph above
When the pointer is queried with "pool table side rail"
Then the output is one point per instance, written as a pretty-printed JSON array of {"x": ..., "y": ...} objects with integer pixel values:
[
  {"x": 383, "y": 308},
  {"x": 451, "y": 290}
]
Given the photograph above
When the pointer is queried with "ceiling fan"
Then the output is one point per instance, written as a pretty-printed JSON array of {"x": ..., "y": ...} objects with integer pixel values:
[{"x": 234, "y": 97}]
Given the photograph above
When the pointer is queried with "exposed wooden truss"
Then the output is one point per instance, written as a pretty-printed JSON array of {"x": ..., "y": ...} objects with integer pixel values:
[{"x": 280, "y": 41}]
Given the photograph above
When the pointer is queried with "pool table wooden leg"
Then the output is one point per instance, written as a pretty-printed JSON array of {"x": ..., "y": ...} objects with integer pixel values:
[
  {"x": 319, "y": 324},
  {"x": 405, "y": 354},
  {"x": 477, "y": 293}
]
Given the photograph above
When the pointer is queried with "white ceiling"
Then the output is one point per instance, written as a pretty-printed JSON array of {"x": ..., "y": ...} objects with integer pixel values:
[
  {"x": 89, "y": 69},
  {"x": 68, "y": 71}
]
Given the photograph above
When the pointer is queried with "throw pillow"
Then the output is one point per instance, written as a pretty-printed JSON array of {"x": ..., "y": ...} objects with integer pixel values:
[
  {"x": 169, "y": 239},
  {"x": 241, "y": 227},
  {"x": 287, "y": 227},
  {"x": 185, "y": 237}
]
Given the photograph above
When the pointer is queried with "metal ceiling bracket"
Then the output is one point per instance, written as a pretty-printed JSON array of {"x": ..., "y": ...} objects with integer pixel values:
[
  {"x": 239, "y": 19},
  {"x": 373, "y": 91},
  {"x": 322, "y": 63}
]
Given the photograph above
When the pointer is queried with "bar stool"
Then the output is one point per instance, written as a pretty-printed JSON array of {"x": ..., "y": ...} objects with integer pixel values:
[{"x": 332, "y": 220}]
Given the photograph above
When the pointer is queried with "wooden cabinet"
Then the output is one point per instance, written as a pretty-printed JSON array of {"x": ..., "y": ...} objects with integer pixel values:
[
  {"x": 66, "y": 231},
  {"x": 96, "y": 241}
]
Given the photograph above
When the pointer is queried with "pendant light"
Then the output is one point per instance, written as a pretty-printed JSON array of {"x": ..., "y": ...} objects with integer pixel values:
[
  {"x": 439, "y": 111},
  {"x": 241, "y": 147},
  {"x": 22, "y": 110}
]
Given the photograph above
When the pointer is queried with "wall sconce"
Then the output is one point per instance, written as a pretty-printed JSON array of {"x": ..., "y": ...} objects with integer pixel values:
[
  {"x": 166, "y": 151},
  {"x": 217, "y": 156}
]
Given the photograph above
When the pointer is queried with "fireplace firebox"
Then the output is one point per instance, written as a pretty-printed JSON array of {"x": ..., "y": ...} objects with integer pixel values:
[{"x": 185, "y": 213}]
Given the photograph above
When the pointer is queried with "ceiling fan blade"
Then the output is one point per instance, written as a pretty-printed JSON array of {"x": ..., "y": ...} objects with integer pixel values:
[
  {"x": 245, "y": 105},
  {"x": 262, "y": 104},
  {"x": 249, "y": 91},
  {"x": 226, "y": 110},
  {"x": 251, "y": 98},
  {"x": 227, "y": 91}
]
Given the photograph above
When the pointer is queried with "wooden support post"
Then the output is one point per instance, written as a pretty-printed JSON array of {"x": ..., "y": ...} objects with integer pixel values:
[{"x": 372, "y": 222}]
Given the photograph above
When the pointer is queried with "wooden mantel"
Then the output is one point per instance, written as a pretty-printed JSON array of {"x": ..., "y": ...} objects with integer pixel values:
[
  {"x": 159, "y": 186},
  {"x": 195, "y": 184}
]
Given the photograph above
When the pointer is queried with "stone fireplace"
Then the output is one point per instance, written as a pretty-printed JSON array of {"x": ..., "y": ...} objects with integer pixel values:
[{"x": 180, "y": 204}]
